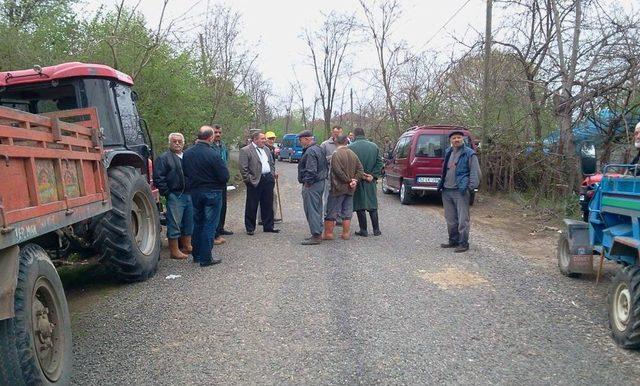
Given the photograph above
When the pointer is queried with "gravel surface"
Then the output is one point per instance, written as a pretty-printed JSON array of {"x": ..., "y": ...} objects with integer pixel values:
[{"x": 394, "y": 309}]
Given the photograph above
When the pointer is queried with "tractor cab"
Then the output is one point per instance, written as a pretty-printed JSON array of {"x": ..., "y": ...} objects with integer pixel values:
[{"x": 75, "y": 85}]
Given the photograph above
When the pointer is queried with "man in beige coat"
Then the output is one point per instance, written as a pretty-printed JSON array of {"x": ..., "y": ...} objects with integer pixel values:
[
  {"x": 258, "y": 173},
  {"x": 344, "y": 174}
]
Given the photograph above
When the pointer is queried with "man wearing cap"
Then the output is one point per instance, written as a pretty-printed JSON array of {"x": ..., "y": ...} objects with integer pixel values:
[
  {"x": 312, "y": 173},
  {"x": 271, "y": 142},
  {"x": 258, "y": 173},
  {"x": 460, "y": 175},
  {"x": 219, "y": 146}
]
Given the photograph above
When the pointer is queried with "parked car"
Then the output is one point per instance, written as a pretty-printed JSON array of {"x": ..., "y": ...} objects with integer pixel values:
[
  {"x": 291, "y": 149},
  {"x": 414, "y": 167}
]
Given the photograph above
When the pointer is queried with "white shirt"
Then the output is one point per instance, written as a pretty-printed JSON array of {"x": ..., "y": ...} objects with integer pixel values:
[{"x": 264, "y": 159}]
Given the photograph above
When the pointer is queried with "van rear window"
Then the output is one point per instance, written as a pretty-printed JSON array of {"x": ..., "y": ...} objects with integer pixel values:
[{"x": 431, "y": 145}]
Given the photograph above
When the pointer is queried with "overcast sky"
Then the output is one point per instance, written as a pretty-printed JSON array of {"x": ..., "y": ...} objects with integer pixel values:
[{"x": 274, "y": 28}]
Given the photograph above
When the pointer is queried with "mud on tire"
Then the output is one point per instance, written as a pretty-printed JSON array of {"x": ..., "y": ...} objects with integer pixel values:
[
  {"x": 128, "y": 236},
  {"x": 38, "y": 349}
]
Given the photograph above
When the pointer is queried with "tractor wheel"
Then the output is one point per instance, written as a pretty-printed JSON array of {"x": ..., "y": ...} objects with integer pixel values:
[
  {"x": 128, "y": 236},
  {"x": 564, "y": 256},
  {"x": 385, "y": 187},
  {"x": 623, "y": 304},
  {"x": 37, "y": 347},
  {"x": 405, "y": 195}
]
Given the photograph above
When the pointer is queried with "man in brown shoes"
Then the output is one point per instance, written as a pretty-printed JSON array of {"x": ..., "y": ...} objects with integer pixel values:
[{"x": 344, "y": 173}]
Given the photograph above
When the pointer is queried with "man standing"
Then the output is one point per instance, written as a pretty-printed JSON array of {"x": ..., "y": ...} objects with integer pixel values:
[
  {"x": 328, "y": 147},
  {"x": 312, "y": 173},
  {"x": 258, "y": 173},
  {"x": 169, "y": 179},
  {"x": 460, "y": 175},
  {"x": 345, "y": 172},
  {"x": 365, "y": 199},
  {"x": 206, "y": 176},
  {"x": 271, "y": 144},
  {"x": 219, "y": 146}
]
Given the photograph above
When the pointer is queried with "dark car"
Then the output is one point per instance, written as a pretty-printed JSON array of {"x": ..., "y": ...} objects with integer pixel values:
[{"x": 414, "y": 166}]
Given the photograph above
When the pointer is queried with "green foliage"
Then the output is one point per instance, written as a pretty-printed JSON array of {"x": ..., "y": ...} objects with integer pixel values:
[{"x": 172, "y": 94}]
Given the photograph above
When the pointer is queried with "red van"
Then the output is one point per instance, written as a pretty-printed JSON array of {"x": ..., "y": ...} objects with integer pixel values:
[{"x": 414, "y": 167}]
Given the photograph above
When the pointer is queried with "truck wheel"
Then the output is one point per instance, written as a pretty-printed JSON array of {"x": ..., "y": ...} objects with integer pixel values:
[
  {"x": 38, "y": 349},
  {"x": 128, "y": 236},
  {"x": 405, "y": 196},
  {"x": 623, "y": 304},
  {"x": 385, "y": 187},
  {"x": 564, "y": 256}
]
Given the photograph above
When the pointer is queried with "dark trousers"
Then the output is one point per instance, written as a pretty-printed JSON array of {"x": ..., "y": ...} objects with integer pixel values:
[
  {"x": 263, "y": 195},
  {"x": 223, "y": 213},
  {"x": 206, "y": 212}
]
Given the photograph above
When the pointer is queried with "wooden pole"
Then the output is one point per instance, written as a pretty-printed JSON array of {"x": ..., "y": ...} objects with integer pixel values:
[{"x": 487, "y": 84}]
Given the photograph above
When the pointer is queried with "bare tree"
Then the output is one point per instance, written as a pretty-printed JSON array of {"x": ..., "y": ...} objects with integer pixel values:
[
  {"x": 225, "y": 60},
  {"x": 327, "y": 47},
  {"x": 380, "y": 23}
]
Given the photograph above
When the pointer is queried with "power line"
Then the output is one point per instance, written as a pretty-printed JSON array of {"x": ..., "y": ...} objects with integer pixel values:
[{"x": 445, "y": 24}]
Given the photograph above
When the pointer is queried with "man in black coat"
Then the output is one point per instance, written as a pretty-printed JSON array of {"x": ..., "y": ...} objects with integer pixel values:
[
  {"x": 169, "y": 179},
  {"x": 206, "y": 176},
  {"x": 312, "y": 174}
]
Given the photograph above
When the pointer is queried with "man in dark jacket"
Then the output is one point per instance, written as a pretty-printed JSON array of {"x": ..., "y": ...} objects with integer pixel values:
[
  {"x": 460, "y": 175},
  {"x": 169, "y": 179},
  {"x": 312, "y": 173},
  {"x": 219, "y": 146},
  {"x": 206, "y": 176}
]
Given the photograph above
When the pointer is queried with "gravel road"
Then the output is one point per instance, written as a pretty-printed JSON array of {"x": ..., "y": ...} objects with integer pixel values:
[{"x": 394, "y": 309}]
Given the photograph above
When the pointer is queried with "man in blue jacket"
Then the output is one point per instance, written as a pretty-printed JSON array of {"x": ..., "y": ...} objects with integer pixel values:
[
  {"x": 206, "y": 176},
  {"x": 460, "y": 176}
]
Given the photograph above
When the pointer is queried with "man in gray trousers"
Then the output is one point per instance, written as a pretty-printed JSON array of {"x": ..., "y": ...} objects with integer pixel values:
[
  {"x": 460, "y": 176},
  {"x": 312, "y": 173}
]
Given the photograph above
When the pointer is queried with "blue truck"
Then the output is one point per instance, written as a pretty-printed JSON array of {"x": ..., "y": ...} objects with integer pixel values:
[
  {"x": 613, "y": 233},
  {"x": 291, "y": 148}
]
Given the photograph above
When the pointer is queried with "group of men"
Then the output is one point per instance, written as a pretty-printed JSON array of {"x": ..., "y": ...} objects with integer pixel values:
[
  {"x": 194, "y": 185},
  {"x": 338, "y": 178}
]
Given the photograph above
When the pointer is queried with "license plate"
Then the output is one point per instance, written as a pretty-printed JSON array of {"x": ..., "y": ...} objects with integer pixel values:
[
  {"x": 428, "y": 180},
  {"x": 581, "y": 197}
]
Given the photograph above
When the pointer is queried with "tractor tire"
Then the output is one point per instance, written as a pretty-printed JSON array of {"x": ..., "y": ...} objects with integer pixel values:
[
  {"x": 623, "y": 306},
  {"x": 564, "y": 256},
  {"x": 128, "y": 236},
  {"x": 405, "y": 194},
  {"x": 37, "y": 348},
  {"x": 385, "y": 187}
]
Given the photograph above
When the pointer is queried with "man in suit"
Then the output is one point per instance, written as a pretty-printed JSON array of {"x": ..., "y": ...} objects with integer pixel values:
[{"x": 258, "y": 173}]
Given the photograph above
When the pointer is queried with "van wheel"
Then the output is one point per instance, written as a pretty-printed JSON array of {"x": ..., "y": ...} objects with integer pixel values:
[
  {"x": 37, "y": 347},
  {"x": 405, "y": 197},
  {"x": 385, "y": 187},
  {"x": 623, "y": 305}
]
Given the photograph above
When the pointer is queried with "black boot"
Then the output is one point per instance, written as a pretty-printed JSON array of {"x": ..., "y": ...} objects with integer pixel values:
[
  {"x": 362, "y": 223},
  {"x": 374, "y": 222}
]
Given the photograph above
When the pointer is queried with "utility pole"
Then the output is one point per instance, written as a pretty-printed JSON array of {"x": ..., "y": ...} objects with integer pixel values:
[
  {"x": 351, "y": 117},
  {"x": 486, "y": 86}
]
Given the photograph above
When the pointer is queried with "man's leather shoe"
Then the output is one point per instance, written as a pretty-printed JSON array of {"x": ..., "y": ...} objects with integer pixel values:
[
  {"x": 209, "y": 263},
  {"x": 272, "y": 230},
  {"x": 362, "y": 233},
  {"x": 225, "y": 232},
  {"x": 448, "y": 245},
  {"x": 250, "y": 233},
  {"x": 461, "y": 248},
  {"x": 377, "y": 233}
]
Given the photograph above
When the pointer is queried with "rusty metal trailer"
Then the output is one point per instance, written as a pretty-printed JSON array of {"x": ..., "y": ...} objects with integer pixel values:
[{"x": 51, "y": 176}]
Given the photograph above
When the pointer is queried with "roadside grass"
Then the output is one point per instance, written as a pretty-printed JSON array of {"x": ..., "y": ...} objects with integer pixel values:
[{"x": 556, "y": 208}]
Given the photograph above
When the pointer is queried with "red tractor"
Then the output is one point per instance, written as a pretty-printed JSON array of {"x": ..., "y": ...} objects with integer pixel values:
[{"x": 75, "y": 166}]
